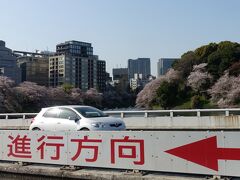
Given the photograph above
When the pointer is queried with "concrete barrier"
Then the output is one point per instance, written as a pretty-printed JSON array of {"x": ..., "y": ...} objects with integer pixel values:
[{"x": 183, "y": 122}]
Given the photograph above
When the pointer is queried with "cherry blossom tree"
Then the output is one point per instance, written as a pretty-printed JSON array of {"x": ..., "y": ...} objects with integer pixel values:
[
  {"x": 199, "y": 78},
  {"x": 8, "y": 101},
  {"x": 173, "y": 75},
  {"x": 31, "y": 95},
  {"x": 57, "y": 96},
  {"x": 77, "y": 96},
  {"x": 6, "y": 82},
  {"x": 93, "y": 98},
  {"x": 146, "y": 97},
  {"x": 148, "y": 94},
  {"x": 226, "y": 91}
]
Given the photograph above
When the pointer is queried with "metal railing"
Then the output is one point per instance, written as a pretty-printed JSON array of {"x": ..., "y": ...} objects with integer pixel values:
[
  {"x": 17, "y": 115},
  {"x": 174, "y": 113},
  {"x": 146, "y": 113}
]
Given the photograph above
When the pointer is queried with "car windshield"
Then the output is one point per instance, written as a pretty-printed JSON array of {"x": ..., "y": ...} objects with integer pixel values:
[{"x": 90, "y": 112}]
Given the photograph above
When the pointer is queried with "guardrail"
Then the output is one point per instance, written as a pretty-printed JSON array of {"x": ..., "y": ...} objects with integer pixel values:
[
  {"x": 151, "y": 119},
  {"x": 16, "y": 120},
  {"x": 174, "y": 113},
  {"x": 17, "y": 115},
  {"x": 147, "y": 113}
]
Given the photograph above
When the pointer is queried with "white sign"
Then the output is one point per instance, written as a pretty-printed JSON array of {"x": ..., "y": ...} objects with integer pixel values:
[{"x": 200, "y": 152}]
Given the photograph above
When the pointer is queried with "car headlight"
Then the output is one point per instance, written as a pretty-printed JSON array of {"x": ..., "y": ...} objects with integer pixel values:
[{"x": 97, "y": 125}]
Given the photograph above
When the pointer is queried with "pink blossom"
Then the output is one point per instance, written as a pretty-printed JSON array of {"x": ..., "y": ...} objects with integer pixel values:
[
  {"x": 226, "y": 91},
  {"x": 149, "y": 92},
  {"x": 199, "y": 77}
]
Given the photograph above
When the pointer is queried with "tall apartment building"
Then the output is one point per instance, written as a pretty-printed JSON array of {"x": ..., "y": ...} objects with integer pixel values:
[
  {"x": 75, "y": 64},
  {"x": 34, "y": 66},
  {"x": 164, "y": 64},
  {"x": 8, "y": 63},
  {"x": 75, "y": 48},
  {"x": 139, "y": 66},
  {"x": 101, "y": 75}
]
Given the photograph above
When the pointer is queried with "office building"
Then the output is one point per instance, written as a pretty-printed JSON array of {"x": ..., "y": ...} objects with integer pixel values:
[
  {"x": 8, "y": 63},
  {"x": 164, "y": 64},
  {"x": 119, "y": 73},
  {"x": 34, "y": 66},
  {"x": 120, "y": 78},
  {"x": 75, "y": 64},
  {"x": 108, "y": 78},
  {"x": 139, "y": 66}
]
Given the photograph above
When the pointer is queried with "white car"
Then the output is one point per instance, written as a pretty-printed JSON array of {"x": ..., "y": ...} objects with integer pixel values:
[{"x": 66, "y": 118}]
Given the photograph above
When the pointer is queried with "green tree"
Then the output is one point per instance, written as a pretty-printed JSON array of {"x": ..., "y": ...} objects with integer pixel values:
[
  {"x": 67, "y": 88},
  {"x": 204, "y": 51},
  {"x": 186, "y": 63},
  {"x": 197, "y": 101},
  {"x": 227, "y": 54},
  {"x": 167, "y": 94}
]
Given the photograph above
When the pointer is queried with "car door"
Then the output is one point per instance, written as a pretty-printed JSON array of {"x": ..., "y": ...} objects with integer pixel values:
[
  {"x": 68, "y": 120},
  {"x": 49, "y": 119}
]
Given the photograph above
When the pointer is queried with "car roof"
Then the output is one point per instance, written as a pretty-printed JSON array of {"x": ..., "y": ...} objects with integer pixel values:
[{"x": 67, "y": 106}]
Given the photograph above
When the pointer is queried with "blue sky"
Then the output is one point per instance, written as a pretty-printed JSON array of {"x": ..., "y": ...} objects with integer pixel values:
[{"x": 120, "y": 29}]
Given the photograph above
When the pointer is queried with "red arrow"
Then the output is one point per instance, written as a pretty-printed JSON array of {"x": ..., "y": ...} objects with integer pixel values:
[{"x": 205, "y": 153}]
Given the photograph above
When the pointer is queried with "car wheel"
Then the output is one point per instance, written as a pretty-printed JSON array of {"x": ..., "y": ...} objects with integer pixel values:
[
  {"x": 84, "y": 129},
  {"x": 36, "y": 129}
]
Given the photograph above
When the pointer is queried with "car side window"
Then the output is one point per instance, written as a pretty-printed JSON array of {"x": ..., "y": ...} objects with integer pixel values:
[
  {"x": 68, "y": 114},
  {"x": 51, "y": 113}
]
